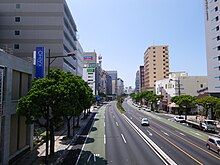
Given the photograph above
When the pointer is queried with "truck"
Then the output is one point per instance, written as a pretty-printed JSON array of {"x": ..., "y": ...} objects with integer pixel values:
[{"x": 205, "y": 125}]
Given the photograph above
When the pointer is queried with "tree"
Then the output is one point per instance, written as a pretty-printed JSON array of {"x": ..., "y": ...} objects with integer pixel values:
[
  {"x": 185, "y": 102},
  {"x": 208, "y": 103}
]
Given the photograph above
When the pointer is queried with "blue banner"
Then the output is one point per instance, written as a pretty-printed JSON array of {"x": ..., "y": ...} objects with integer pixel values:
[{"x": 40, "y": 62}]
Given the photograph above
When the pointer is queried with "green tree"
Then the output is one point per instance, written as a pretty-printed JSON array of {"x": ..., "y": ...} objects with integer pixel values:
[{"x": 185, "y": 103}]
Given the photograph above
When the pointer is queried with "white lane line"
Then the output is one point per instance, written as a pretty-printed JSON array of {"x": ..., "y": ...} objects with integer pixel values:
[
  {"x": 195, "y": 133},
  {"x": 180, "y": 133},
  {"x": 165, "y": 133},
  {"x": 89, "y": 158},
  {"x": 123, "y": 138},
  {"x": 116, "y": 123},
  {"x": 94, "y": 157},
  {"x": 104, "y": 124},
  {"x": 104, "y": 139},
  {"x": 149, "y": 133}
]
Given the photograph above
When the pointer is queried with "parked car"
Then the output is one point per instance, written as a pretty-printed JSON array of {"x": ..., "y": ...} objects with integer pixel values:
[
  {"x": 144, "y": 122},
  {"x": 146, "y": 109},
  {"x": 180, "y": 119},
  {"x": 208, "y": 125},
  {"x": 213, "y": 143}
]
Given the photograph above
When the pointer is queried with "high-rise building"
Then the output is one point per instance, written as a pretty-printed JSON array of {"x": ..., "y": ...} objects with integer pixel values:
[
  {"x": 156, "y": 65},
  {"x": 120, "y": 86},
  {"x": 141, "y": 78},
  {"x": 27, "y": 24},
  {"x": 114, "y": 76},
  {"x": 212, "y": 28},
  {"x": 137, "y": 82}
]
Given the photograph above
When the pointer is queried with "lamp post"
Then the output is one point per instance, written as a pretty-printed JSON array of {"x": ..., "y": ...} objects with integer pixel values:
[{"x": 48, "y": 108}]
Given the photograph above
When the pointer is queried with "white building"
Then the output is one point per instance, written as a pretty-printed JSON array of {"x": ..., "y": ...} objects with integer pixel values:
[
  {"x": 212, "y": 26},
  {"x": 179, "y": 83},
  {"x": 120, "y": 86},
  {"x": 79, "y": 59}
]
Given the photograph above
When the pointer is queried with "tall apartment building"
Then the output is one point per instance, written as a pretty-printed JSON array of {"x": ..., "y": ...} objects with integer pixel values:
[
  {"x": 212, "y": 29},
  {"x": 120, "y": 86},
  {"x": 27, "y": 24},
  {"x": 156, "y": 65}
]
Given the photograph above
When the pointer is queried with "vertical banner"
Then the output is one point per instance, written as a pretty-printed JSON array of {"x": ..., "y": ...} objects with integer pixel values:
[
  {"x": 40, "y": 56},
  {"x": 1, "y": 89}
]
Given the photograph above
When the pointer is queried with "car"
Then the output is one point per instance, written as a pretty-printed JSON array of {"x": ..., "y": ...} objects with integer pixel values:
[
  {"x": 144, "y": 122},
  {"x": 180, "y": 119},
  {"x": 213, "y": 143},
  {"x": 146, "y": 109}
]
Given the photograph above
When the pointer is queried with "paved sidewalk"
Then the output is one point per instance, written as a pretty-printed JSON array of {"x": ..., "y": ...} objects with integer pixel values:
[{"x": 37, "y": 155}]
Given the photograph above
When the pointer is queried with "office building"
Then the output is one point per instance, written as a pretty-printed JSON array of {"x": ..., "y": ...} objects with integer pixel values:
[
  {"x": 120, "y": 86},
  {"x": 16, "y": 137},
  {"x": 137, "y": 82},
  {"x": 141, "y": 69},
  {"x": 156, "y": 65},
  {"x": 27, "y": 24},
  {"x": 114, "y": 76},
  {"x": 212, "y": 29}
]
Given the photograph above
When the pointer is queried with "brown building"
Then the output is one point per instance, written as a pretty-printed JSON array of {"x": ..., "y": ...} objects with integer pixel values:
[{"x": 156, "y": 65}]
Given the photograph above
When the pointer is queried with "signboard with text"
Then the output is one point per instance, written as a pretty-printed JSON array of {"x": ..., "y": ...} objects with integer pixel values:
[
  {"x": 88, "y": 58},
  {"x": 90, "y": 70},
  {"x": 91, "y": 65},
  {"x": 40, "y": 57}
]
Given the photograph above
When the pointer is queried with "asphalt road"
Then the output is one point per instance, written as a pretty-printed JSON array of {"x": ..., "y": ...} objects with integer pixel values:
[
  {"x": 115, "y": 138},
  {"x": 178, "y": 142}
]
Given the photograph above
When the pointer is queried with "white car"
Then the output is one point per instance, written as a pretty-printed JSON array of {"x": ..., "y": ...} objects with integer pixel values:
[
  {"x": 146, "y": 109},
  {"x": 144, "y": 122},
  {"x": 180, "y": 119}
]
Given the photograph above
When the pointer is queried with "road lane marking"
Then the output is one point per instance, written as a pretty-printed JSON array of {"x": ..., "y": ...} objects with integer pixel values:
[
  {"x": 164, "y": 133},
  {"x": 195, "y": 133},
  {"x": 157, "y": 150},
  {"x": 104, "y": 124},
  {"x": 149, "y": 133},
  {"x": 177, "y": 147},
  {"x": 104, "y": 139},
  {"x": 89, "y": 158},
  {"x": 189, "y": 142},
  {"x": 123, "y": 138},
  {"x": 94, "y": 158},
  {"x": 180, "y": 133},
  {"x": 116, "y": 123}
]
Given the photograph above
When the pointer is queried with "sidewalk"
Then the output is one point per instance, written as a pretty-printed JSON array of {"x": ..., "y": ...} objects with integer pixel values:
[{"x": 37, "y": 155}]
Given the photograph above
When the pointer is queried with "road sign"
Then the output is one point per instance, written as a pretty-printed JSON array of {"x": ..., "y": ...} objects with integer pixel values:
[
  {"x": 91, "y": 65},
  {"x": 90, "y": 70}
]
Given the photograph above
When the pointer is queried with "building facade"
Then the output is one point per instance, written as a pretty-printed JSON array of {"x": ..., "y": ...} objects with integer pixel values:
[
  {"x": 156, "y": 65},
  {"x": 120, "y": 86},
  {"x": 79, "y": 59},
  {"x": 15, "y": 136},
  {"x": 141, "y": 78},
  {"x": 137, "y": 82},
  {"x": 114, "y": 77},
  {"x": 212, "y": 30},
  {"x": 27, "y": 24},
  {"x": 90, "y": 70}
]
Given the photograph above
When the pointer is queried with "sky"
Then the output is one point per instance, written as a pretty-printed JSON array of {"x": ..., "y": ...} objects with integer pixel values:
[{"x": 122, "y": 30}]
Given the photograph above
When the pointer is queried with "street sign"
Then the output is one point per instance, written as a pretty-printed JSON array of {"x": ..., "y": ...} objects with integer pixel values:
[
  {"x": 91, "y": 65},
  {"x": 40, "y": 62},
  {"x": 97, "y": 98},
  {"x": 90, "y": 70}
]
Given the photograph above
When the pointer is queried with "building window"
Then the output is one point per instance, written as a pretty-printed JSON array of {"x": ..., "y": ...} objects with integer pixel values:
[
  {"x": 154, "y": 76},
  {"x": 154, "y": 52},
  {"x": 218, "y": 38},
  {"x": 201, "y": 85},
  {"x": 154, "y": 56},
  {"x": 154, "y": 68},
  {"x": 153, "y": 47},
  {"x": 17, "y": 32},
  {"x": 154, "y": 72},
  {"x": 215, "y": 0},
  {"x": 18, "y": 6},
  {"x": 218, "y": 47},
  {"x": 216, "y": 8},
  {"x": 217, "y": 28},
  {"x": 216, "y": 18},
  {"x": 154, "y": 60},
  {"x": 219, "y": 68},
  {"x": 17, "y": 19},
  {"x": 16, "y": 46}
]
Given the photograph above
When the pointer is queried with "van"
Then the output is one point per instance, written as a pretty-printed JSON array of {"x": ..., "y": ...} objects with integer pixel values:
[{"x": 213, "y": 143}]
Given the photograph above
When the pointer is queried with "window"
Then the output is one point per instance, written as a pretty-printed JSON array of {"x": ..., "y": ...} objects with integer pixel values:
[
  {"x": 18, "y": 6},
  {"x": 218, "y": 38},
  {"x": 154, "y": 52},
  {"x": 218, "y": 47},
  {"x": 154, "y": 72},
  {"x": 154, "y": 68},
  {"x": 217, "y": 28},
  {"x": 16, "y": 46},
  {"x": 154, "y": 56},
  {"x": 17, "y": 32},
  {"x": 219, "y": 68},
  {"x": 153, "y": 47},
  {"x": 215, "y": 0},
  {"x": 216, "y": 18},
  {"x": 17, "y": 19},
  {"x": 154, "y": 60},
  {"x": 154, "y": 76},
  {"x": 201, "y": 85},
  {"x": 216, "y": 8}
]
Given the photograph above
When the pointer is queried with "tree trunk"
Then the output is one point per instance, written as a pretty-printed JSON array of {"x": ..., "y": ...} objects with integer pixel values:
[
  {"x": 186, "y": 110},
  {"x": 68, "y": 126},
  {"x": 73, "y": 126},
  {"x": 52, "y": 139}
]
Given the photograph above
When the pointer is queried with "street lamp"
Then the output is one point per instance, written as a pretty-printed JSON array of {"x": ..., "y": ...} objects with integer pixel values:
[{"x": 48, "y": 112}]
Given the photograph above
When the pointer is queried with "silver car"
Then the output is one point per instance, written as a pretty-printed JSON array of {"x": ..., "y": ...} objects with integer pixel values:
[{"x": 213, "y": 143}]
